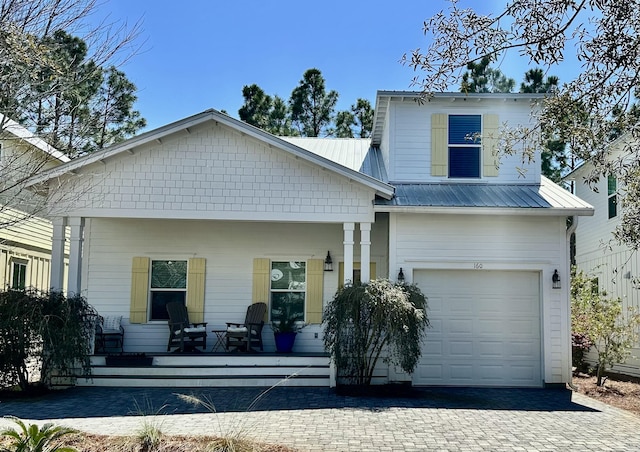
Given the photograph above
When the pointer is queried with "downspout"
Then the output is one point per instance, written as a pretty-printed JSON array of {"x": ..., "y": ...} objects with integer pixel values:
[{"x": 570, "y": 230}]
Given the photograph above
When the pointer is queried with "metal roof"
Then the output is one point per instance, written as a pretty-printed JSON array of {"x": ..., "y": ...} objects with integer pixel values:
[
  {"x": 354, "y": 153},
  {"x": 546, "y": 196}
]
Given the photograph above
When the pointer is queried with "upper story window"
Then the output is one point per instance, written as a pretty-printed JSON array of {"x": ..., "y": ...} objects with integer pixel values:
[
  {"x": 168, "y": 284},
  {"x": 612, "y": 188},
  {"x": 464, "y": 146}
]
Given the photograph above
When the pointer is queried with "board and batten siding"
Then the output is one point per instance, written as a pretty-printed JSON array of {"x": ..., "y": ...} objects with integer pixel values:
[
  {"x": 215, "y": 173},
  {"x": 229, "y": 249},
  {"x": 409, "y": 142},
  {"x": 615, "y": 266},
  {"x": 502, "y": 243}
]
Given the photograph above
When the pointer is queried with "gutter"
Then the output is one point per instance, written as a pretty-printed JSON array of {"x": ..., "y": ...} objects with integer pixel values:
[{"x": 570, "y": 230}]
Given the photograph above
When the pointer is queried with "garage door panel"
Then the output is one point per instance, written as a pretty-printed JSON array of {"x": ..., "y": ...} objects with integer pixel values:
[
  {"x": 436, "y": 324},
  {"x": 461, "y": 349},
  {"x": 460, "y": 326},
  {"x": 432, "y": 348},
  {"x": 491, "y": 349},
  {"x": 458, "y": 305},
  {"x": 488, "y": 326},
  {"x": 487, "y": 329}
]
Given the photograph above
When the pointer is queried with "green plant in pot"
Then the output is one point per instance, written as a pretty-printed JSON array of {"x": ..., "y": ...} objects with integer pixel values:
[{"x": 285, "y": 330}]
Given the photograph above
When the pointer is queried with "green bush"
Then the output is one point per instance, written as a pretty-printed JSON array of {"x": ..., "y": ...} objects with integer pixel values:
[
  {"x": 365, "y": 322},
  {"x": 36, "y": 439},
  {"x": 47, "y": 331},
  {"x": 602, "y": 320}
]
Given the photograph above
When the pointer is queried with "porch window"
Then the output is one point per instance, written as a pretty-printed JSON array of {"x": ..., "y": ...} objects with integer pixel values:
[
  {"x": 168, "y": 284},
  {"x": 288, "y": 290},
  {"x": 18, "y": 274},
  {"x": 464, "y": 146}
]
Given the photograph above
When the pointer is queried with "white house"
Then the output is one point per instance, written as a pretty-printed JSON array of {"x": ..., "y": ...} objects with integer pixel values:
[
  {"x": 25, "y": 237},
  {"x": 230, "y": 210},
  {"x": 597, "y": 254}
]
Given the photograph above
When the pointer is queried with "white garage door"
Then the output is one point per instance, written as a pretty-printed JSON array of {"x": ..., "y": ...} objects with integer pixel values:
[{"x": 485, "y": 329}]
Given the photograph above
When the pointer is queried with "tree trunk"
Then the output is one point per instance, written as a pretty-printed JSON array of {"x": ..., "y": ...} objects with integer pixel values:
[{"x": 600, "y": 374}]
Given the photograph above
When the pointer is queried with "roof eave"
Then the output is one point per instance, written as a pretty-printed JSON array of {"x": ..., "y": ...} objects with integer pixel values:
[
  {"x": 382, "y": 189},
  {"x": 508, "y": 211}
]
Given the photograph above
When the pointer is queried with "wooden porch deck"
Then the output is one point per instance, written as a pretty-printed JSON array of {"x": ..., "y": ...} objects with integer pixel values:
[{"x": 197, "y": 370}]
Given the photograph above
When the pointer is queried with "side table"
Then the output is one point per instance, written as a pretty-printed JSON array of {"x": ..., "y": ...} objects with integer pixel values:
[{"x": 221, "y": 336}]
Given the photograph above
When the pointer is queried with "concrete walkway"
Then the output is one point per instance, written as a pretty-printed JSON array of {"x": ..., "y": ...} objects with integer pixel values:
[{"x": 317, "y": 419}]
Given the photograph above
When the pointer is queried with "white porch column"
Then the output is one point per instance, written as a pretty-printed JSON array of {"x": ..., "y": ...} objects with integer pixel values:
[
  {"x": 348, "y": 252},
  {"x": 56, "y": 284},
  {"x": 76, "y": 225},
  {"x": 365, "y": 252}
]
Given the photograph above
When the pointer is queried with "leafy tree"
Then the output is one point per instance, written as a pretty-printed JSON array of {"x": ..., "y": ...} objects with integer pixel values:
[
  {"x": 48, "y": 76},
  {"x": 480, "y": 78},
  {"x": 553, "y": 159},
  {"x": 257, "y": 106},
  {"x": 114, "y": 118},
  {"x": 534, "y": 82},
  {"x": 345, "y": 120},
  {"x": 312, "y": 107},
  {"x": 51, "y": 329},
  {"x": 363, "y": 321},
  {"x": 363, "y": 113},
  {"x": 603, "y": 35},
  {"x": 280, "y": 118},
  {"x": 603, "y": 321}
]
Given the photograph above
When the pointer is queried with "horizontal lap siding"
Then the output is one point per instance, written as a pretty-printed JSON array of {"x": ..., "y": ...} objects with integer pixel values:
[
  {"x": 496, "y": 243},
  {"x": 410, "y": 138},
  {"x": 217, "y": 173},
  {"x": 229, "y": 249}
]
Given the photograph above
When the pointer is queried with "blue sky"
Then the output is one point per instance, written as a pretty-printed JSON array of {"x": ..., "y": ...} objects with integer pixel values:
[{"x": 198, "y": 54}]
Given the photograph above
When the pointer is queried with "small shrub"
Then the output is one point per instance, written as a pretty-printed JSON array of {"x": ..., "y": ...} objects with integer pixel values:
[
  {"x": 365, "y": 322},
  {"x": 603, "y": 322},
  {"x": 46, "y": 328},
  {"x": 36, "y": 439},
  {"x": 580, "y": 344}
]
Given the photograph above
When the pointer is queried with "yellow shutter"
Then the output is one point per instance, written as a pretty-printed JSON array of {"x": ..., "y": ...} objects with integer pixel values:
[
  {"x": 261, "y": 282},
  {"x": 139, "y": 290},
  {"x": 490, "y": 126},
  {"x": 195, "y": 289},
  {"x": 439, "y": 145},
  {"x": 315, "y": 283}
]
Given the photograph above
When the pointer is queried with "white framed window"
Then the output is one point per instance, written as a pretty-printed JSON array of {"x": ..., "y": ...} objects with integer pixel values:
[
  {"x": 168, "y": 283},
  {"x": 288, "y": 290},
  {"x": 464, "y": 146},
  {"x": 18, "y": 274},
  {"x": 612, "y": 198}
]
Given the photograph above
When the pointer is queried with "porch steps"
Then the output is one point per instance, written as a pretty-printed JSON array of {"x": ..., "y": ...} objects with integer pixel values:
[{"x": 211, "y": 370}]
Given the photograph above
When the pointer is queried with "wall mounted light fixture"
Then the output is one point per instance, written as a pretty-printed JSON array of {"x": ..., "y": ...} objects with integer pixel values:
[
  {"x": 328, "y": 263},
  {"x": 556, "y": 280},
  {"x": 400, "y": 276}
]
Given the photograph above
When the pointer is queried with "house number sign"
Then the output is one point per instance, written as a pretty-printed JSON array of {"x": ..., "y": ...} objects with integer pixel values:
[{"x": 477, "y": 265}]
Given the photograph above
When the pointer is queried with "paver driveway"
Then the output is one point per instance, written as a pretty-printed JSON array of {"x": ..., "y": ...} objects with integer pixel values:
[{"x": 317, "y": 419}]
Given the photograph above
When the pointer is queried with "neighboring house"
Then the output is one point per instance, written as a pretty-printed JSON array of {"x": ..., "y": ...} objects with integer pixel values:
[
  {"x": 614, "y": 266},
  {"x": 220, "y": 214},
  {"x": 25, "y": 237}
]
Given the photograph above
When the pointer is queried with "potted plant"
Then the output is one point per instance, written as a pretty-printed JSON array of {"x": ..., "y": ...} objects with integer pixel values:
[{"x": 284, "y": 332}]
